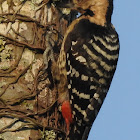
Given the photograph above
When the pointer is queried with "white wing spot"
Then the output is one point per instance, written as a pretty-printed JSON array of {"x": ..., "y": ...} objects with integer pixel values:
[
  {"x": 102, "y": 81},
  {"x": 92, "y": 87},
  {"x": 74, "y": 42},
  {"x": 92, "y": 79},
  {"x": 70, "y": 101},
  {"x": 99, "y": 72},
  {"x": 70, "y": 81},
  {"x": 69, "y": 72},
  {"x": 75, "y": 54},
  {"x": 67, "y": 55},
  {"x": 77, "y": 74},
  {"x": 84, "y": 78},
  {"x": 81, "y": 59},
  {"x": 73, "y": 70},
  {"x": 91, "y": 41},
  {"x": 86, "y": 119},
  {"x": 72, "y": 97},
  {"x": 69, "y": 62},
  {"x": 90, "y": 107},
  {"x": 69, "y": 86},
  {"x": 73, "y": 112},
  {"x": 96, "y": 96}
]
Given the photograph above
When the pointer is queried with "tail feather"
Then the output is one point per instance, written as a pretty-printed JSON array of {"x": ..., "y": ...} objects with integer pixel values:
[{"x": 79, "y": 131}]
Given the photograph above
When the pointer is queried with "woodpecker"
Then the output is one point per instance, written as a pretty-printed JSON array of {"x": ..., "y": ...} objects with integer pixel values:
[{"x": 86, "y": 65}]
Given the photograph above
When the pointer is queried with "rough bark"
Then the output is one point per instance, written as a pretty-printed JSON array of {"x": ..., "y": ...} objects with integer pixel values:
[{"x": 28, "y": 106}]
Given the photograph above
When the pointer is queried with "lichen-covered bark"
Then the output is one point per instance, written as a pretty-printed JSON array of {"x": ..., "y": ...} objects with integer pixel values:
[{"x": 28, "y": 107}]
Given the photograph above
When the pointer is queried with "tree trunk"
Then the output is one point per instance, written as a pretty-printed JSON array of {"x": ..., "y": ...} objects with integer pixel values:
[{"x": 28, "y": 106}]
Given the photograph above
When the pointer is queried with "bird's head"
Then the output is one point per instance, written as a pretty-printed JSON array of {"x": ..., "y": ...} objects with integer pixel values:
[{"x": 101, "y": 9}]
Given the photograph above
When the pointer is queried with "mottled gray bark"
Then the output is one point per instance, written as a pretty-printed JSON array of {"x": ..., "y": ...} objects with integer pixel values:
[{"x": 28, "y": 107}]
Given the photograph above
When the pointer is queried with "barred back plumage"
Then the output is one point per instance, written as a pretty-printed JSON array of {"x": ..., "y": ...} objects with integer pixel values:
[{"x": 91, "y": 63}]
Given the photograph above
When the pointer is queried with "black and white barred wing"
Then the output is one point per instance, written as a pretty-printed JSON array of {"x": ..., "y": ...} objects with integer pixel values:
[{"x": 90, "y": 68}]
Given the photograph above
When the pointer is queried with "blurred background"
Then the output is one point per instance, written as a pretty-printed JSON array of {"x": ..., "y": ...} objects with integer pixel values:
[{"x": 119, "y": 117}]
